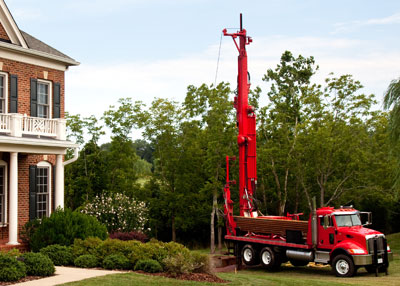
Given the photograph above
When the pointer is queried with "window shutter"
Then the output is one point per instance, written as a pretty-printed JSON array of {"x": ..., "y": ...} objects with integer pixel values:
[
  {"x": 13, "y": 94},
  {"x": 53, "y": 191},
  {"x": 33, "y": 97},
  {"x": 56, "y": 100},
  {"x": 32, "y": 191}
]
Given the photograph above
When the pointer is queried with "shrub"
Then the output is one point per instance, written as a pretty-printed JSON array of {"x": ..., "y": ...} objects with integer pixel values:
[
  {"x": 28, "y": 230},
  {"x": 178, "y": 264},
  {"x": 148, "y": 265},
  {"x": 133, "y": 235},
  {"x": 116, "y": 261},
  {"x": 63, "y": 226},
  {"x": 11, "y": 269},
  {"x": 12, "y": 253},
  {"x": 201, "y": 262},
  {"x": 86, "y": 261},
  {"x": 38, "y": 264},
  {"x": 87, "y": 246},
  {"x": 118, "y": 212},
  {"x": 59, "y": 254}
]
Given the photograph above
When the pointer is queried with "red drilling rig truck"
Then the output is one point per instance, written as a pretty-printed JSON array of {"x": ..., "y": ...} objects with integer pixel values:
[{"x": 331, "y": 236}]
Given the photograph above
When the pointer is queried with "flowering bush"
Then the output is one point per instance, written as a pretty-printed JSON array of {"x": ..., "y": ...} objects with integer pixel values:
[
  {"x": 118, "y": 212},
  {"x": 133, "y": 235}
]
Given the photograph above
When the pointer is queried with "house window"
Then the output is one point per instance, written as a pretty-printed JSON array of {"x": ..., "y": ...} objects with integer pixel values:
[
  {"x": 43, "y": 189},
  {"x": 3, "y": 93},
  {"x": 43, "y": 99},
  {"x": 3, "y": 193}
]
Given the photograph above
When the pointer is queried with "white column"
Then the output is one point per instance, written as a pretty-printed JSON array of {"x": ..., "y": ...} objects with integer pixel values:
[
  {"x": 61, "y": 129},
  {"x": 59, "y": 199},
  {"x": 16, "y": 124},
  {"x": 13, "y": 218}
]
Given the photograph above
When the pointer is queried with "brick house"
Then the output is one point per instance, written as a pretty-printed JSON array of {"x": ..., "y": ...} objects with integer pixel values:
[{"x": 32, "y": 128}]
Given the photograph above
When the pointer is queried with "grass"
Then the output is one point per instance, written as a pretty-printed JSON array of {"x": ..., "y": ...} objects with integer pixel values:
[{"x": 257, "y": 276}]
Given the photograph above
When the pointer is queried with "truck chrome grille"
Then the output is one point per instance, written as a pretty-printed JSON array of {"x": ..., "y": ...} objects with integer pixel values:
[{"x": 379, "y": 244}]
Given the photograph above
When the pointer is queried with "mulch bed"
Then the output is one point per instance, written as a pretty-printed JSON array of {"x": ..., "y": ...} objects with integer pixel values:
[
  {"x": 200, "y": 277},
  {"x": 25, "y": 279}
]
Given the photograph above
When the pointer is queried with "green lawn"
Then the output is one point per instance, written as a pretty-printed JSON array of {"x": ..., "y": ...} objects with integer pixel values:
[{"x": 287, "y": 276}]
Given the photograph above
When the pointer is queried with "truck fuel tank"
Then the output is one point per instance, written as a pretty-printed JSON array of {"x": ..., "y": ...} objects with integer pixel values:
[{"x": 300, "y": 255}]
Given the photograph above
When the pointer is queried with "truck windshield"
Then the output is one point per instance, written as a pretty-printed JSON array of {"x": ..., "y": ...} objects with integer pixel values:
[{"x": 348, "y": 220}]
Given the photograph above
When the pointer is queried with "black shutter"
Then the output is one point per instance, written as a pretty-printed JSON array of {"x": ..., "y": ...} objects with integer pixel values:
[
  {"x": 14, "y": 94},
  {"x": 33, "y": 97},
  {"x": 56, "y": 100},
  {"x": 53, "y": 190},
  {"x": 32, "y": 191}
]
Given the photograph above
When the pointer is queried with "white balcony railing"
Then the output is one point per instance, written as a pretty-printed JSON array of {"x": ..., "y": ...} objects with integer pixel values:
[{"x": 17, "y": 124}]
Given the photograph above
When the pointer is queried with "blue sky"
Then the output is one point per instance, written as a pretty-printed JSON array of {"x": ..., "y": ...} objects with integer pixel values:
[{"x": 154, "y": 48}]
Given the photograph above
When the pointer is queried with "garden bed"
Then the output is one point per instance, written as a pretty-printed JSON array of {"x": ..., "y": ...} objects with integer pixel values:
[
  {"x": 25, "y": 279},
  {"x": 199, "y": 277}
]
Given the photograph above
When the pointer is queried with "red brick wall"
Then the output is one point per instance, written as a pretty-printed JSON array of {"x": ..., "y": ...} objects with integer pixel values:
[
  {"x": 3, "y": 33},
  {"x": 25, "y": 72},
  {"x": 24, "y": 161}
]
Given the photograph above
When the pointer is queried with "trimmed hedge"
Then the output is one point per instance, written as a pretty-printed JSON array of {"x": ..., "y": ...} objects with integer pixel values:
[
  {"x": 62, "y": 227},
  {"x": 148, "y": 265},
  {"x": 11, "y": 269},
  {"x": 38, "y": 264},
  {"x": 116, "y": 261},
  {"x": 60, "y": 255},
  {"x": 133, "y": 235},
  {"x": 86, "y": 261}
]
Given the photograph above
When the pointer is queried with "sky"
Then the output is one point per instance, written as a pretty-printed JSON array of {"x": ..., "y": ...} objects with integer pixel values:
[{"x": 155, "y": 48}]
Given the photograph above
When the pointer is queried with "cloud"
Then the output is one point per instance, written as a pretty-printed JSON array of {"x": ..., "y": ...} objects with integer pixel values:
[
  {"x": 27, "y": 14},
  {"x": 91, "y": 88},
  {"x": 355, "y": 25}
]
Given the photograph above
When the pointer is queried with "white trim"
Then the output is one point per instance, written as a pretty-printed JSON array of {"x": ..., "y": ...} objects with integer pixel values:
[
  {"x": 10, "y": 26},
  {"x": 4, "y": 223},
  {"x": 49, "y": 186},
  {"x": 19, "y": 57},
  {"x": 17, "y": 49},
  {"x": 5, "y": 89},
  {"x": 50, "y": 95}
]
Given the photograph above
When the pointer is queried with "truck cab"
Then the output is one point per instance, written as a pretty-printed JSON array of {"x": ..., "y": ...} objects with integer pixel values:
[{"x": 342, "y": 234}]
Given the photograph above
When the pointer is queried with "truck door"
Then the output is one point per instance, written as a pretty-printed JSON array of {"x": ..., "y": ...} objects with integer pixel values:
[{"x": 326, "y": 234}]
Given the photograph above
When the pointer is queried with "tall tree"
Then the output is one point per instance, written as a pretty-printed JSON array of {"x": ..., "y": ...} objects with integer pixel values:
[
  {"x": 392, "y": 99},
  {"x": 215, "y": 112}
]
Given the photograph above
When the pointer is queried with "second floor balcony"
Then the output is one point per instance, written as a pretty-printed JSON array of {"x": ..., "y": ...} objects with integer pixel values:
[{"x": 16, "y": 125}]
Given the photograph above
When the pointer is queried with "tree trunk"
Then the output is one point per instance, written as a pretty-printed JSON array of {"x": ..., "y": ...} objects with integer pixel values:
[
  {"x": 212, "y": 238},
  {"x": 219, "y": 229},
  {"x": 173, "y": 228}
]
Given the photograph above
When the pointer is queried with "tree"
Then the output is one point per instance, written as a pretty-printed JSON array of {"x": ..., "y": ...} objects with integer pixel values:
[
  {"x": 392, "y": 99},
  {"x": 280, "y": 121},
  {"x": 216, "y": 117}
]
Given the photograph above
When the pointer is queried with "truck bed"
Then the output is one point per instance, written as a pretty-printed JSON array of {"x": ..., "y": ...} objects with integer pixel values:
[
  {"x": 271, "y": 226},
  {"x": 267, "y": 241}
]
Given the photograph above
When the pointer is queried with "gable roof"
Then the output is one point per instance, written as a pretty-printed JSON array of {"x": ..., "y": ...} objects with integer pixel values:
[{"x": 22, "y": 42}]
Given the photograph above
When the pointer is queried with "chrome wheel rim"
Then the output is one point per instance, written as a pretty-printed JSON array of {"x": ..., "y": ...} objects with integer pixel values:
[
  {"x": 247, "y": 255},
  {"x": 342, "y": 267},
  {"x": 266, "y": 257}
]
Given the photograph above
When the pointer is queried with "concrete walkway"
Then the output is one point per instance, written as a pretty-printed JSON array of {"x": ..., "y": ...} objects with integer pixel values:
[{"x": 68, "y": 274}]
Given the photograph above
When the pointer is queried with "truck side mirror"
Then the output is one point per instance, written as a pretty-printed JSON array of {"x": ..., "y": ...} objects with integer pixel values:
[
  {"x": 326, "y": 222},
  {"x": 366, "y": 218}
]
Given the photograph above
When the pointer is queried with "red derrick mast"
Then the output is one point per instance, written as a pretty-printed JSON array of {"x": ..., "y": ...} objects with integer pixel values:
[{"x": 246, "y": 122}]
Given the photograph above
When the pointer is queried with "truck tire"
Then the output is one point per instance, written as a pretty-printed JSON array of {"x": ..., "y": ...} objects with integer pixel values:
[
  {"x": 249, "y": 255},
  {"x": 298, "y": 262},
  {"x": 343, "y": 266},
  {"x": 269, "y": 259}
]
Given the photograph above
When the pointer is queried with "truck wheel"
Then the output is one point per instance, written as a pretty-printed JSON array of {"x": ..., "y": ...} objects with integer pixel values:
[
  {"x": 249, "y": 255},
  {"x": 269, "y": 259},
  {"x": 298, "y": 262},
  {"x": 343, "y": 266}
]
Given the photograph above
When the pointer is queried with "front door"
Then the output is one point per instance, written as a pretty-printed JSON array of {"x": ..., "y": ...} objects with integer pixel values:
[{"x": 326, "y": 236}]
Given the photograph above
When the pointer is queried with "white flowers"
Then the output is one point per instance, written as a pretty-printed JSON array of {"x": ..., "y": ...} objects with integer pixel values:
[{"x": 118, "y": 212}]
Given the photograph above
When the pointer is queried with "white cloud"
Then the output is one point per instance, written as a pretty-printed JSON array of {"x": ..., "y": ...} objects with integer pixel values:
[
  {"x": 26, "y": 14},
  {"x": 355, "y": 25},
  {"x": 92, "y": 88}
]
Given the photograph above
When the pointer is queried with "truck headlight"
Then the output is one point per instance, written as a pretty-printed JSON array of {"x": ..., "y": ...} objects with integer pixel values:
[{"x": 357, "y": 251}]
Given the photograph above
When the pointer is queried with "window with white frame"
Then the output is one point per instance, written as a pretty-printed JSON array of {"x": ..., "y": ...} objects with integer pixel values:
[
  {"x": 3, "y": 193},
  {"x": 43, "y": 99},
  {"x": 3, "y": 92},
  {"x": 43, "y": 189}
]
